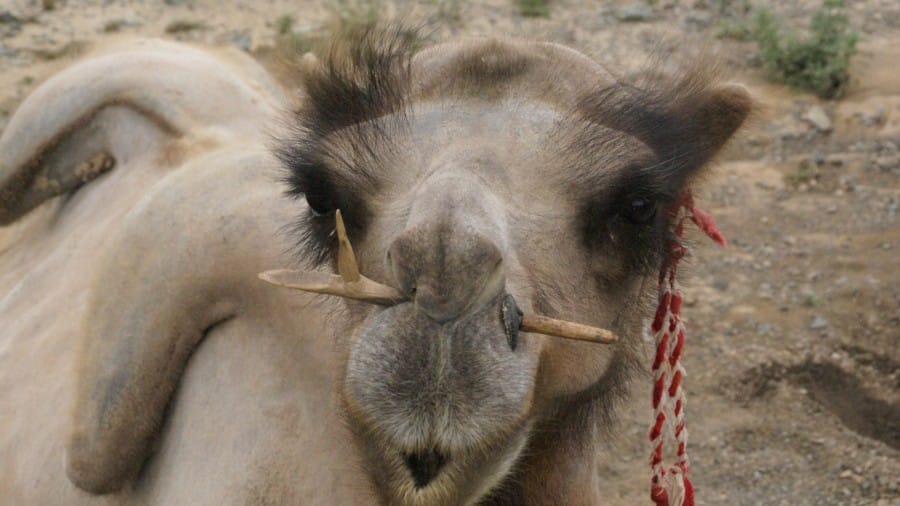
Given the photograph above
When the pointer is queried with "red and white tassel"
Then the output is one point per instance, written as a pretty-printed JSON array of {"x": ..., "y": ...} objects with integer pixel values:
[{"x": 670, "y": 486}]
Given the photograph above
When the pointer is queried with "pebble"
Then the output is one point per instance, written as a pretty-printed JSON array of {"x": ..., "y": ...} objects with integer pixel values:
[
  {"x": 817, "y": 117},
  {"x": 634, "y": 13},
  {"x": 871, "y": 120},
  {"x": 818, "y": 323},
  {"x": 241, "y": 40},
  {"x": 8, "y": 18},
  {"x": 699, "y": 18},
  {"x": 10, "y": 24}
]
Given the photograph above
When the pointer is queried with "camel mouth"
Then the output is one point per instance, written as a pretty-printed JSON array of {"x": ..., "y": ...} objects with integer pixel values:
[
  {"x": 440, "y": 409},
  {"x": 424, "y": 466}
]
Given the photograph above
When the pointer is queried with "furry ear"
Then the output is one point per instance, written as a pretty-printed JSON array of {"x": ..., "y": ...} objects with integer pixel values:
[
  {"x": 684, "y": 121},
  {"x": 700, "y": 124}
]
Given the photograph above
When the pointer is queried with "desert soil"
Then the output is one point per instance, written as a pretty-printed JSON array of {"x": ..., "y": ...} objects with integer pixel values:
[{"x": 793, "y": 360}]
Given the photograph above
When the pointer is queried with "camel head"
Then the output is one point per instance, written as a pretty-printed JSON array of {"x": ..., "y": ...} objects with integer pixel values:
[{"x": 474, "y": 174}]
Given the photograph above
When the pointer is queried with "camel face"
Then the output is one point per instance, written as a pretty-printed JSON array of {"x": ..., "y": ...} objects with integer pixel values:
[
  {"x": 470, "y": 173},
  {"x": 436, "y": 391}
]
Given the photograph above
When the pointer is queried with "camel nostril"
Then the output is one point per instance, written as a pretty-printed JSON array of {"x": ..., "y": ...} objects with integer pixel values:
[
  {"x": 424, "y": 466},
  {"x": 511, "y": 316}
]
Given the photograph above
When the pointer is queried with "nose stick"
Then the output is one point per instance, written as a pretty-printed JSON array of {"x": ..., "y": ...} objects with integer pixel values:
[{"x": 349, "y": 283}]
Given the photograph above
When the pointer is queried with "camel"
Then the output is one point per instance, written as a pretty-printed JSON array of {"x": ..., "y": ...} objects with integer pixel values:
[{"x": 143, "y": 190}]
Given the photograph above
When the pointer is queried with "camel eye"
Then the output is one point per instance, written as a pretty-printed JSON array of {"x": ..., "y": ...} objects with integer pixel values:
[
  {"x": 319, "y": 204},
  {"x": 640, "y": 210}
]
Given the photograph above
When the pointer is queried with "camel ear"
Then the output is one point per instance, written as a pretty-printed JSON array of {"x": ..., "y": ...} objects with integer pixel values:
[
  {"x": 685, "y": 121},
  {"x": 727, "y": 108},
  {"x": 700, "y": 124}
]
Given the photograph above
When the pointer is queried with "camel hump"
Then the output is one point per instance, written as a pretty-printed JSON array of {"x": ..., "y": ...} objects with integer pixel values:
[{"x": 59, "y": 139}]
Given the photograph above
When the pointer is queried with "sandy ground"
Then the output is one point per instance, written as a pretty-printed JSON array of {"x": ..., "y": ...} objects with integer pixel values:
[{"x": 794, "y": 382}]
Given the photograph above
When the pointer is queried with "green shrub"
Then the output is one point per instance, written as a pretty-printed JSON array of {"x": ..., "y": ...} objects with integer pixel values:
[
  {"x": 737, "y": 29},
  {"x": 284, "y": 24},
  {"x": 449, "y": 11},
  {"x": 817, "y": 62},
  {"x": 533, "y": 8},
  {"x": 355, "y": 15}
]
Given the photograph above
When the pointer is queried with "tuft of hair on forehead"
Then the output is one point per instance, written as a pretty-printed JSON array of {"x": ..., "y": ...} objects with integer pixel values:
[
  {"x": 685, "y": 116},
  {"x": 362, "y": 75}
]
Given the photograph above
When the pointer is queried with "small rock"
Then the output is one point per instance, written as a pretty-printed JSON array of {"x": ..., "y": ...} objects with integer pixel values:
[
  {"x": 817, "y": 117},
  {"x": 634, "y": 13},
  {"x": 8, "y": 18},
  {"x": 872, "y": 120},
  {"x": 10, "y": 24},
  {"x": 241, "y": 40},
  {"x": 887, "y": 164},
  {"x": 699, "y": 18},
  {"x": 818, "y": 323},
  {"x": 835, "y": 160},
  {"x": 788, "y": 127},
  {"x": 763, "y": 328}
]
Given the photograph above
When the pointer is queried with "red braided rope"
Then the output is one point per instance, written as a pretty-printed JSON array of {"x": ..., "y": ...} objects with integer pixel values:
[{"x": 671, "y": 486}]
